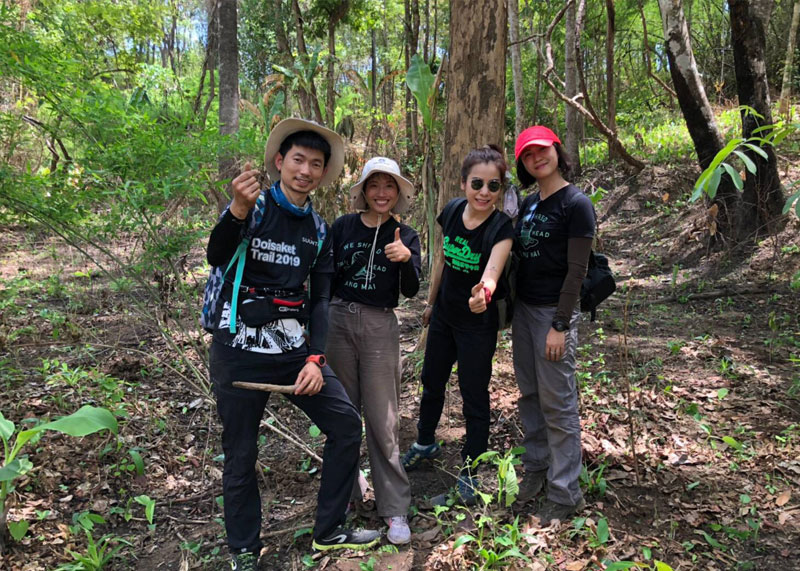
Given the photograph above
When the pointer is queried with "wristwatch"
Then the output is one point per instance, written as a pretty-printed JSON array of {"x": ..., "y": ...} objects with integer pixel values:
[
  {"x": 560, "y": 326},
  {"x": 319, "y": 360}
]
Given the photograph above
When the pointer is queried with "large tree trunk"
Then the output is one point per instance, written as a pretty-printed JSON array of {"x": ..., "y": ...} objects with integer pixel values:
[
  {"x": 786, "y": 86},
  {"x": 697, "y": 112},
  {"x": 573, "y": 117},
  {"x": 310, "y": 89},
  {"x": 476, "y": 85},
  {"x": 516, "y": 66},
  {"x": 762, "y": 199},
  {"x": 228, "y": 84}
]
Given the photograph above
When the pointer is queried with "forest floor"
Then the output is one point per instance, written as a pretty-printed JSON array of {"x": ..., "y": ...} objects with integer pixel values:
[{"x": 689, "y": 364}]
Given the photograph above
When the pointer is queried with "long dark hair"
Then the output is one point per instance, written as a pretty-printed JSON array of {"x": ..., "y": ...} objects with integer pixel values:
[
  {"x": 490, "y": 154},
  {"x": 564, "y": 166}
]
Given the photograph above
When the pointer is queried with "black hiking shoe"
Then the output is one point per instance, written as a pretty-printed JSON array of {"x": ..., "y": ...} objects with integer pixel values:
[
  {"x": 344, "y": 538},
  {"x": 466, "y": 493},
  {"x": 418, "y": 453},
  {"x": 531, "y": 484},
  {"x": 551, "y": 510},
  {"x": 245, "y": 561}
]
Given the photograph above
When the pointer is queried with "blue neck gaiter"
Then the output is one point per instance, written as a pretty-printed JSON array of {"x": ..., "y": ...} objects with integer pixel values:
[{"x": 284, "y": 202}]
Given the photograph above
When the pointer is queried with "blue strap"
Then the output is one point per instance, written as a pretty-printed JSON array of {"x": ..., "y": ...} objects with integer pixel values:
[{"x": 238, "y": 257}]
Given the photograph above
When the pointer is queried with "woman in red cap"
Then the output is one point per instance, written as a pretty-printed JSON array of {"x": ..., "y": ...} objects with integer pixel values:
[{"x": 553, "y": 240}]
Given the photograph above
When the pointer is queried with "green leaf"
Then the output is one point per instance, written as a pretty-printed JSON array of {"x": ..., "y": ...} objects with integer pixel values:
[
  {"x": 18, "y": 529},
  {"x": 86, "y": 420},
  {"x": 661, "y": 566},
  {"x": 462, "y": 540},
  {"x": 710, "y": 540},
  {"x": 713, "y": 183},
  {"x": 623, "y": 565},
  {"x": 722, "y": 393},
  {"x": 733, "y": 443},
  {"x": 149, "y": 506},
  {"x": 137, "y": 461},
  {"x": 748, "y": 162},
  {"x": 14, "y": 469},
  {"x": 511, "y": 485},
  {"x": 420, "y": 81},
  {"x": 6, "y": 428},
  {"x": 757, "y": 150},
  {"x": 314, "y": 430},
  {"x": 734, "y": 174},
  {"x": 603, "y": 533}
]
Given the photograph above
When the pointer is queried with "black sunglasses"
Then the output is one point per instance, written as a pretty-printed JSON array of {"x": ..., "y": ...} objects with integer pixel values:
[{"x": 494, "y": 184}]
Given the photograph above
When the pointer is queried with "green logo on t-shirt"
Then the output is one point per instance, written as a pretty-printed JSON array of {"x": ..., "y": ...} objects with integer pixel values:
[{"x": 459, "y": 256}]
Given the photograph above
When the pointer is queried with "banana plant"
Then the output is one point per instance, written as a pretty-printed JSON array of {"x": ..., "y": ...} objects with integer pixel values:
[{"x": 86, "y": 420}]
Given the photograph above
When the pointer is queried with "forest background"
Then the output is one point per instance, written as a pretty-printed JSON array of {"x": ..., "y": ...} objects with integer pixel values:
[{"x": 122, "y": 123}]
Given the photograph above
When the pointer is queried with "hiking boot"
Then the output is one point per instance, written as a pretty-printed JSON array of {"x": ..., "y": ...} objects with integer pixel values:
[
  {"x": 418, "y": 453},
  {"x": 244, "y": 561},
  {"x": 344, "y": 538},
  {"x": 531, "y": 484},
  {"x": 466, "y": 493},
  {"x": 551, "y": 510},
  {"x": 399, "y": 532}
]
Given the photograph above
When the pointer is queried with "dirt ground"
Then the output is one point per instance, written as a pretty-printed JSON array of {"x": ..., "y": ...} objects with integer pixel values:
[{"x": 690, "y": 405}]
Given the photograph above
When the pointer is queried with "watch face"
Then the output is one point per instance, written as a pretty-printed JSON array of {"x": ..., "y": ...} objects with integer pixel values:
[
  {"x": 560, "y": 326},
  {"x": 322, "y": 360}
]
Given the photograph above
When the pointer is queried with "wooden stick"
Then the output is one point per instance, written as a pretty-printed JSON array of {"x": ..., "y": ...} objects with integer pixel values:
[{"x": 284, "y": 389}]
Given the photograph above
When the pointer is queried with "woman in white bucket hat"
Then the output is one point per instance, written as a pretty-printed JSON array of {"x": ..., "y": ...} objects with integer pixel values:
[{"x": 377, "y": 258}]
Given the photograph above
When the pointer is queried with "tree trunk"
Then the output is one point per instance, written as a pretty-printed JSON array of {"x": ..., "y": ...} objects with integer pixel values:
[
  {"x": 330, "y": 100},
  {"x": 786, "y": 86},
  {"x": 572, "y": 115},
  {"x": 476, "y": 85},
  {"x": 516, "y": 66},
  {"x": 689, "y": 88},
  {"x": 228, "y": 84},
  {"x": 611, "y": 95},
  {"x": 310, "y": 89},
  {"x": 762, "y": 199}
]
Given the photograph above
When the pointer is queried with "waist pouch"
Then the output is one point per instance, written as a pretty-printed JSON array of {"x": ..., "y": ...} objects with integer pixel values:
[{"x": 259, "y": 310}]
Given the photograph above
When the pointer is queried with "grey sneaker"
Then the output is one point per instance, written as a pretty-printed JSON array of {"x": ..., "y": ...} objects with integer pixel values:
[
  {"x": 399, "y": 532},
  {"x": 345, "y": 538},
  {"x": 551, "y": 510},
  {"x": 245, "y": 561},
  {"x": 419, "y": 453},
  {"x": 531, "y": 484}
]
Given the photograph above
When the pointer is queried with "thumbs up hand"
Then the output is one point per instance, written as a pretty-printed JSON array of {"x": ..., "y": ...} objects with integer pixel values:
[
  {"x": 246, "y": 189},
  {"x": 396, "y": 251},
  {"x": 477, "y": 303}
]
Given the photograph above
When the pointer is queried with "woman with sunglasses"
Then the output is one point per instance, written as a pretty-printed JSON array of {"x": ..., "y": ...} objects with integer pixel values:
[
  {"x": 377, "y": 258},
  {"x": 462, "y": 319},
  {"x": 553, "y": 240}
]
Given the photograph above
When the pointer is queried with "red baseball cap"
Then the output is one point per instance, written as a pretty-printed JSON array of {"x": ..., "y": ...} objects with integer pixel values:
[{"x": 536, "y": 135}]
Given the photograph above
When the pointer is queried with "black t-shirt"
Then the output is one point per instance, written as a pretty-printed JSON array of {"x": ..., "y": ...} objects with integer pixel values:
[
  {"x": 464, "y": 262},
  {"x": 279, "y": 257},
  {"x": 542, "y": 232},
  {"x": 356, "y": 280}
]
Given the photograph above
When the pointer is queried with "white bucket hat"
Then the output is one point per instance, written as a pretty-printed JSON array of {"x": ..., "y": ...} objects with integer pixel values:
[
  {"x": 390, "y": 167},
  {"x": 290, "y": 126}
]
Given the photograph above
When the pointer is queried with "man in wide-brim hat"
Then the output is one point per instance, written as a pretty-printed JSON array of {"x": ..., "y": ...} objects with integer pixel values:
[{"x": 254, "y": 341}]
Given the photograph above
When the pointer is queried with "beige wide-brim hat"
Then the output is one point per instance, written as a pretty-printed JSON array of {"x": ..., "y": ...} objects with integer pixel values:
[
  {"x": 293, "y": 125},
  {"x": 390, "y": 167}
]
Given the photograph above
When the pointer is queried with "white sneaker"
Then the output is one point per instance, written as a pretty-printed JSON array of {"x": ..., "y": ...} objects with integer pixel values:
[{"x": 399, "y": 531}]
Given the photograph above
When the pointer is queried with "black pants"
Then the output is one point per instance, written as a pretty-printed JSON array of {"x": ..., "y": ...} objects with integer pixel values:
[
  {"x": 474, "y": 351},
  {"x": 241, "y": 411}
]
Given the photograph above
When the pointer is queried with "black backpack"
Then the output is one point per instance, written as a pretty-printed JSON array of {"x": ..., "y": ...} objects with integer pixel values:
[{"x": 598, "y": 284}]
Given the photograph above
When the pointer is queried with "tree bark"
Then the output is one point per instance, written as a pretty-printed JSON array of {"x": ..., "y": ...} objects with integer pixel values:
[
  {"x": 786, "y": 86},
  {"x": 611, "y": 95},
  {"x": 228, "y": 85},
  {"x": 312, "y": 101},
  {"x": 648, "y": 62},
  {"x": 330, "y": 99},
  {"x": 572, "y": 115},
  {"x": 476, "y": 85},
  {"x": 762, "y": 198},
  {"x": 689, "y": 88},
  {"x": 516, "y": 66}
]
